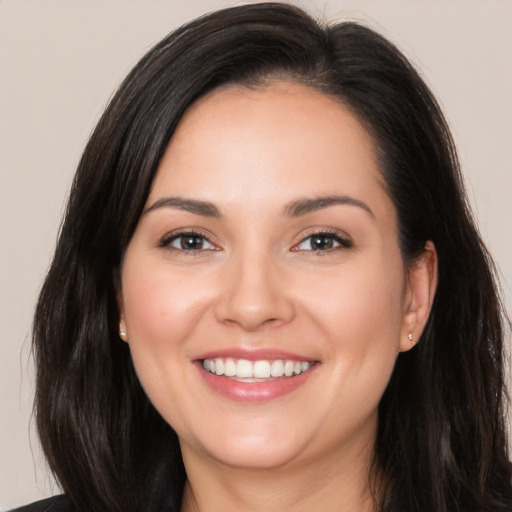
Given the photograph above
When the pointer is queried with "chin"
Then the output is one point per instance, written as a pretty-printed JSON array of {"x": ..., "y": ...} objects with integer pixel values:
[
  {"x": 253, "y": 456},
  {"x": 259, "y": 448}
]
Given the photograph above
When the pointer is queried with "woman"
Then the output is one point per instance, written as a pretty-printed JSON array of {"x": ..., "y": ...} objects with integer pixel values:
[{"x": 268, "y": 292}]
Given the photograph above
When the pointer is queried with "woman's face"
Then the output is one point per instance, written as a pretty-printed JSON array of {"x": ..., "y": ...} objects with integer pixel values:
[{"x": 268, "y": 253}]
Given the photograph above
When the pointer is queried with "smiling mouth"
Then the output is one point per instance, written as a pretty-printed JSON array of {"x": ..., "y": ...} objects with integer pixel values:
[{"x": 255, "y": 371}]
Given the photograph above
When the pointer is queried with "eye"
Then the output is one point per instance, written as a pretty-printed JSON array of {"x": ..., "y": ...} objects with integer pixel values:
[
  {"x": 188, "y": 241},
  {"x": 323, "y": 242}
]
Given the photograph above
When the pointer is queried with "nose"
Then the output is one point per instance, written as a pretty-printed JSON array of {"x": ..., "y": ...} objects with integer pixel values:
[{"x": 254, "y": 295}]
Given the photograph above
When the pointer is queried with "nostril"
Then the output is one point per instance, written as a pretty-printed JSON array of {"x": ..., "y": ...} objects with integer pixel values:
[{"x": 252, "y": 297}]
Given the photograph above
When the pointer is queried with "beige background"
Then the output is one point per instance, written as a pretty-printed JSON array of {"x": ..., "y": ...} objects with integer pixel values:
[{"x": 60, "y": 62}]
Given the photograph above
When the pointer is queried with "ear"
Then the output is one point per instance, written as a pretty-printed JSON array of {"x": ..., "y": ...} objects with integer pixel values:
[
  {"x": 120, "y": 308},
  {"x": 419, "y": 295}
]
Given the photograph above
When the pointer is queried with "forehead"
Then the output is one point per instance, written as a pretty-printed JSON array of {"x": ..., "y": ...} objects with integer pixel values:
[{"x": 276, "y": 140}]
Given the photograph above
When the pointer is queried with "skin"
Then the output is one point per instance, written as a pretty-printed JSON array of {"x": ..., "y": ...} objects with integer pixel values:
[{"x": 255, "y": 282}]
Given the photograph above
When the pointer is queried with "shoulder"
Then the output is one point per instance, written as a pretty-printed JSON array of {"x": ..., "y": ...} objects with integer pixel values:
[{"x": 54, "y": 504}]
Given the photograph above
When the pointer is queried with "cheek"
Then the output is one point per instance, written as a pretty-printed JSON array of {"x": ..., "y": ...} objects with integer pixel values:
[
  {"x": 359, "y": 312},
  {"x": 161, "y": 310},
  {"x": 159, "y": 306},
  {"x": 365, "y": 301}
]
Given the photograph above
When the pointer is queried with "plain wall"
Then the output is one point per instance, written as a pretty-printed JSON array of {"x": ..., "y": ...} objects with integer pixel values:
[{"x": 60, "y": 61}]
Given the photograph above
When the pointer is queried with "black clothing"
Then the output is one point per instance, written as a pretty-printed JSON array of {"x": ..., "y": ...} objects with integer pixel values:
[{"x": 54, "y": 504}]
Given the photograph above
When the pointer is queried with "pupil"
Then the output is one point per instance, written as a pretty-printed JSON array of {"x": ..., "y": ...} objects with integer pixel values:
[
  {"x": 191, "y": 242},
  {"x": 321, "y": 242}
]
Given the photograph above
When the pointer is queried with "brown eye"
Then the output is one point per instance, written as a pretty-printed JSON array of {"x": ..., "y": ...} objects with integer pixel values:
[
  {"x": 188, "y": 242},
  {"x": 191, "y": 242},
  {"x": 323, "y": 242}
]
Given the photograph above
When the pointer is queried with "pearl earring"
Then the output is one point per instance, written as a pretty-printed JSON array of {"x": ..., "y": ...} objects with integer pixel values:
[{"x": 122, "y": 334}]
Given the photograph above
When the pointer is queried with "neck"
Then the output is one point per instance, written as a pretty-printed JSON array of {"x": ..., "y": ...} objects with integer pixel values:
[{"x": 329, "y": 484}]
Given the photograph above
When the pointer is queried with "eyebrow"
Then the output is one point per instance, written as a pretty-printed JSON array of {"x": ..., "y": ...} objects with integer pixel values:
[
  {"x": 305, "y": 206},
  {"x": 294, "y": 209},
  {"x": 196, "y": 206}
]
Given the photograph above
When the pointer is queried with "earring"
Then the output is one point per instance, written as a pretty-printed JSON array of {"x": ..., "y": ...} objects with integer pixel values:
[
  {"x": 122, "y": 334},
  {"x": 410, "y": 338}
]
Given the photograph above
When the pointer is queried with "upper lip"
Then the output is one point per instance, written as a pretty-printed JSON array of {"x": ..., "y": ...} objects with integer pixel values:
[{"x": 253, "y": 354}]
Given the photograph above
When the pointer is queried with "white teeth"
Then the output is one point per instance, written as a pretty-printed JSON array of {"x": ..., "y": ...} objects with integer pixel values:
[
  {"x": 219, "y": 366},
  {"x": 262, "y": 369},
  {"x": 209, "y": 365},
  {"x": 244, "y": 369},
  {"x": 277, "y": 368},
  {"x": 229, "y": 367}
]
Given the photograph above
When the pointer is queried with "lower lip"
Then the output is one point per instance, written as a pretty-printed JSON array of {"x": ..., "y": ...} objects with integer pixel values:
[{"x": 254, "y": 391}]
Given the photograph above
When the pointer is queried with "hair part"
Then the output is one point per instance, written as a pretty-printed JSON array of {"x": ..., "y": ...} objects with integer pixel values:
[{"x": 441, "y": 441}]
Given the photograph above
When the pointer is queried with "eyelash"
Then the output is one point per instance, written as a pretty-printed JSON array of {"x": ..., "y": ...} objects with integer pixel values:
[
  {"x": 343, "y": 242},
  {"x": 169, "y": 239},
  {"x": 331, "y": 236}
]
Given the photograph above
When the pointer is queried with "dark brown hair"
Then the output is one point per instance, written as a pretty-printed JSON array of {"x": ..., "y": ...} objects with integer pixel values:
[{"x": 441, "y": 440}]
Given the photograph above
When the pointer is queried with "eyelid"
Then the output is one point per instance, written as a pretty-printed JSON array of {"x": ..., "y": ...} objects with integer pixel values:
[
  {"x": 168, "y": 238},
  {"x": 339, "y": 236}
]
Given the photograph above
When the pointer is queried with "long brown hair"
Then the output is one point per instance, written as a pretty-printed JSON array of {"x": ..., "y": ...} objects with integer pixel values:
[{"x": 441, "y": 439}]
